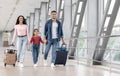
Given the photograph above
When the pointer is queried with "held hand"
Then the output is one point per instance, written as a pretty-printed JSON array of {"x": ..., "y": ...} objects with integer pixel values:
[
  {"x": 29, "y": 43},
  {"x": 45, "y": 41},
  {"x": 63, "y": 42}
]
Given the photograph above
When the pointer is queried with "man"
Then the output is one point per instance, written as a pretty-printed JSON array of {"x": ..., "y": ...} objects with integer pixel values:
[{"x": 53, "y": 34}]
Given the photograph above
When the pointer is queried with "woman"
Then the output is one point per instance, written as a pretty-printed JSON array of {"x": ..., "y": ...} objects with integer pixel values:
[{"x": 22, "y": 36}]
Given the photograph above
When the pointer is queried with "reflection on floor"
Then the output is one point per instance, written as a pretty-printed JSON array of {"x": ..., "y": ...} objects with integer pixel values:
[{"x": 71, "y": 69}]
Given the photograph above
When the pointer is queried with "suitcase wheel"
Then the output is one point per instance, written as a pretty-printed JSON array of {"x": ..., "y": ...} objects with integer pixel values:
[
  {"x": 14, "y": 65},
  {"x": 5, "y": 64}
]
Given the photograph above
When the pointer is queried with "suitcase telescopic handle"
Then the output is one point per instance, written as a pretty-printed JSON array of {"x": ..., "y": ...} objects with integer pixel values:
[
  {"x": 11, "y": 45},
  {"x": 64, "y": 45}
]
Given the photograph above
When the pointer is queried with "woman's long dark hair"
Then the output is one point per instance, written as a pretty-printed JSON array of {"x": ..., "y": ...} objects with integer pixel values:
[
  {"x": 24, "y": 20},
  {"x": 34, "y": 31}
]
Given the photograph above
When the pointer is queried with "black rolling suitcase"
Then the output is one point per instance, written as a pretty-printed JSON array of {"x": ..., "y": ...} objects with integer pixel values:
[{"x": 61, "y": 55}]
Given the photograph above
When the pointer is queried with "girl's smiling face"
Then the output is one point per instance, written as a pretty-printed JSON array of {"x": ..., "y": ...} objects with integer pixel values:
[{"x": 35, "y": 32}]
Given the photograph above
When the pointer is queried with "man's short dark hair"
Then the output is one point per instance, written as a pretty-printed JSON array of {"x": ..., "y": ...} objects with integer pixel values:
[{"x": 53, "y": 11}]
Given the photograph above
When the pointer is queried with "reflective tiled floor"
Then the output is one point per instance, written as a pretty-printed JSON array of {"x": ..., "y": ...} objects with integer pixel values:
[{"x": 71, "y": 69}]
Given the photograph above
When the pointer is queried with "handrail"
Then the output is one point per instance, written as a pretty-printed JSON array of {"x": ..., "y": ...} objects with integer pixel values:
[{"x": 92, "y": 37}]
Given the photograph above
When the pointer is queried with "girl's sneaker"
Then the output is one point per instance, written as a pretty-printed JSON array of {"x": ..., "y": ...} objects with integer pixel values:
[
  {"x": 45, "y": 62},
  {"x": 35, "y": 65}
]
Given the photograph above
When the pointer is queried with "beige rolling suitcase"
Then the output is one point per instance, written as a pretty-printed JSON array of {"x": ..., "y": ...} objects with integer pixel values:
[{"x": 10, "y": 57}]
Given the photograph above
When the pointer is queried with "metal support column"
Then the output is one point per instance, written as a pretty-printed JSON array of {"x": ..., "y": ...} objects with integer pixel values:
[
  {"x": 106, "y": 28},
  {"x": 61, "y": 11},
  {"x": 66, "y": 9},
  {"x": 37, "y": 19},
  {"x": 32, "y": 15},
  {"x": 53, "y": 5},
  {"x": 92, "y": 28},
  {"x": 28, "y": 22},
  {"x": 79, "y": 13},
  {"x": 43, "y": 16},
  {"x": 48, "y": 9}
]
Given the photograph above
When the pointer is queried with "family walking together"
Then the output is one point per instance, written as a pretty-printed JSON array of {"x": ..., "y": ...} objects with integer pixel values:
[{"x": 53, "y": 34}]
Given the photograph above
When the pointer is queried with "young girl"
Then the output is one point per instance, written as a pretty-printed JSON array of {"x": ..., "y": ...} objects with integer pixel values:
[{"x": 35, "y": 40}]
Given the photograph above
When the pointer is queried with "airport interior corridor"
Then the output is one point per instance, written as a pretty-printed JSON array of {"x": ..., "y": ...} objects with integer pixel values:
[{"x": 39, "y": 37}]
